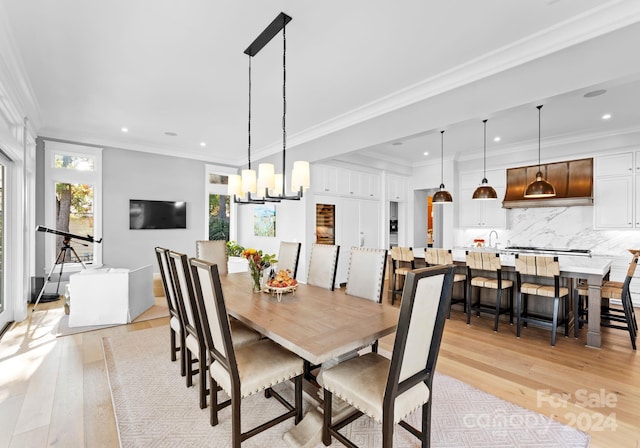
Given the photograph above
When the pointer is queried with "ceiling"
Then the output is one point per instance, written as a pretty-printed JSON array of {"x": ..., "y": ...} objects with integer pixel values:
[{"x": 361, "y": 75}]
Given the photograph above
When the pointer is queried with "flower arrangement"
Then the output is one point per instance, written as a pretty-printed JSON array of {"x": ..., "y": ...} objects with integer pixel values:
[{"x": 258, "y": 262}]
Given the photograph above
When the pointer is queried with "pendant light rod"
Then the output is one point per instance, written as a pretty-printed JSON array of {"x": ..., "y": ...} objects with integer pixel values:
[
  {"x": 284, "y": 19},
  {"x": 442, "y": 196},
  {"x": 484, "y": 152},
  {"x": 249, "y": 199},
  {"x": 539, "y": 133}
]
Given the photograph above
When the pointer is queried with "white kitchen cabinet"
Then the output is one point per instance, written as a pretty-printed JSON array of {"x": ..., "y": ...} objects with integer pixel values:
[
  {"x": 617, "y": 191},
  {"x": 370, "y": 186},
  {"x": 475, "y": 213},
  {"x": 396, "y": 189},
  {"x": 324, "y": 179}
]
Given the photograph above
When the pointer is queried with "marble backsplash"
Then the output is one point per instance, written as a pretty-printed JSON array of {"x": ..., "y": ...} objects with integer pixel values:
[{"x": 559, "y": 227}]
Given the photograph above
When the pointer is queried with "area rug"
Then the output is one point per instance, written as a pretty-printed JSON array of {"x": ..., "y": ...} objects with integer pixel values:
[
  {"x": 154, "y": 408},
  {"x": 157, "y": 311}
]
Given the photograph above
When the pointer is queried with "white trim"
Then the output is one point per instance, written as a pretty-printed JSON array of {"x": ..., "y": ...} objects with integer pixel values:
[
  {"x": 53, "y": 175},
  {"x": 222, "y": 190}
]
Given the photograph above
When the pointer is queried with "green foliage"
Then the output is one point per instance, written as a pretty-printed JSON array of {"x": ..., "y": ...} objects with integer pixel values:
[
  {"x": 234, "y": 249},
  {"x": 218, "y": 228}
]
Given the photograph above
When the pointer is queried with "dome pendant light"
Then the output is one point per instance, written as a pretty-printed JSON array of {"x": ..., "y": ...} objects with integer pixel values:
[
  {"x": 539, "y": 188},
  {"x": 442, "y": 196},
  {"x": 485, "y": 191}
]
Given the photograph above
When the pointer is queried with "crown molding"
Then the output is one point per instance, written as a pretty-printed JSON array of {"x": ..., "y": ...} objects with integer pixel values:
[{"x": 611, "y": 16}]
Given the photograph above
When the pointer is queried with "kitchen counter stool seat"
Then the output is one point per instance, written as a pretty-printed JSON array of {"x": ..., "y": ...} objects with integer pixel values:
[
  {"x": 540, "y": 267},
  {"x": 487, "y": 262}
]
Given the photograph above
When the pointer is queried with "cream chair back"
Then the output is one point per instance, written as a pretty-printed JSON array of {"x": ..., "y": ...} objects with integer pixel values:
[
  {"x": 323, "y": 264},
  {"x": 213, "y": 252},
  {"x": 366, "y": 273},
  {"x": 212, "y": 311},
  {"x": 184, "y": 289},
  {"x": 288, "y": 256},
  {"x": 423, "y": 319}
]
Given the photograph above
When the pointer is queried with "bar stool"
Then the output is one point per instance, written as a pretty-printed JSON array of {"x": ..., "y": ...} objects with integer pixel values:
[
  {"x": 540, "y": 267},
  {"x": 487, "y": 262},
  {"x": 621, "y": 319},
  {"x": 434, "y": 257},
  {"x": 402, "y": 261}
]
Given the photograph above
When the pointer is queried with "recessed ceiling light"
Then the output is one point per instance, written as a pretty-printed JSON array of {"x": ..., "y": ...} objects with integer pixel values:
[
  {"x": 203, "y": 144},
  {"x": 595, "y": 93},
  {"x": 496, "y": 138},
  {"x": 606, "y": 116},
  {"x": 396, "y": 143},
  {"x": 426, "y": 153},
  {"x": 125, "y": 129},
  {"x": 171, "y": 134}
]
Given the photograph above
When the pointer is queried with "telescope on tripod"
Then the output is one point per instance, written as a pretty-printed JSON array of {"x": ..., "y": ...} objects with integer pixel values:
[{"x": 60, "y": 259}]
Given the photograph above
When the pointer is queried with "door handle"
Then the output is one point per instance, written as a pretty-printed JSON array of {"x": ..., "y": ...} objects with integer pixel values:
[{"x": 361, "y": 239}]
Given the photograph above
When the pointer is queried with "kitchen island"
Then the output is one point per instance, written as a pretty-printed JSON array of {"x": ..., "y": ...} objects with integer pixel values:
[{"x": 593, "y": 269}]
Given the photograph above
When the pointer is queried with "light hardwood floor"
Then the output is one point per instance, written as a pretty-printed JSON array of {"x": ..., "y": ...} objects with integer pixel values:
[{"x": 55, "y": 392}]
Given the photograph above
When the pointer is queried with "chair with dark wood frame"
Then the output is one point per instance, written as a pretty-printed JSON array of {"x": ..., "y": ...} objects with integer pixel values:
[
  {"x": 538, "y": 268},
  {"x": 365, "y": 277},
  {"x": 176, "y": 327},
  {"x": 288, "y": 257},
  {"x": 435, "y": 257},
  {"x": 487, "y": 262},
  {"x": 241, "y": 371},
  {"x": 194, "y": 347},
  {"x": 409, "y": 373}
]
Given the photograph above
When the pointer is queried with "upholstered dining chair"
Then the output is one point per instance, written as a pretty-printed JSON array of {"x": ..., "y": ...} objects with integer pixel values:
[
  {"x": 402, "y": 261},
  {"x": 388, "y": 390},
  {"x": 241, "y": 371},
  {"x": 214, "y": 251},
  {"x": 481, "y": 264},
  {"x": 323, "y": 265},
  {"x": 176, "y": 327},
  {"x": 611, "y": 317},
  {"x": 436, "y": 256},
  {"x": 288, "y": 257},
  {"x": 195, "y": 349},
  {"x": 365, "y": 277},
  {"x": 535, "y": 269}
]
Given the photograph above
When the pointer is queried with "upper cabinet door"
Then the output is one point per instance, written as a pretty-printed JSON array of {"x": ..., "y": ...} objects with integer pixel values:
[
  {"x": 615, "y": 165},
  {"x": 613, "y": 202},
  {"x": 396, "y": 189}
]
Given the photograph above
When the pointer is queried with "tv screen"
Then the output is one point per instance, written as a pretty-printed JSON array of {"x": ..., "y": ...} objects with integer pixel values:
[{"x": 157, "y": 214}]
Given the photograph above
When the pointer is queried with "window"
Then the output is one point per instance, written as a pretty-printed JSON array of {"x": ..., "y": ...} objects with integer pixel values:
[
  {"x": 219, "y": 211},
  {"x": 73, "y": 181}
]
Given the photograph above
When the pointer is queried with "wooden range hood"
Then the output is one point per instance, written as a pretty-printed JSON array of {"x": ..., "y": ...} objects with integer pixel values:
[{"x": 573, "y": 181}]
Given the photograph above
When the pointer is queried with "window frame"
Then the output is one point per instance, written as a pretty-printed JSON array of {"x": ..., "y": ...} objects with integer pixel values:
[
  {"x": 221, "y": 190},
  {"x": 53, "y": 175}
]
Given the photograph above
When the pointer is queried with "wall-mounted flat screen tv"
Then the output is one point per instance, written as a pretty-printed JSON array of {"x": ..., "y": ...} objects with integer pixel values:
[{"x": 157, "y": 214}]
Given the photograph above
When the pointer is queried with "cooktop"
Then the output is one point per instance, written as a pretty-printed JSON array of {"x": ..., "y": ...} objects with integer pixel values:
[{"x": 550, "y": 250}]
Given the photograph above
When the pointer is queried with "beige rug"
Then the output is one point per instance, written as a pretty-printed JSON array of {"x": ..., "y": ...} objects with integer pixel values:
[
  {"x": 155, "y": 409},
  {"x": 157, "y": 311}
]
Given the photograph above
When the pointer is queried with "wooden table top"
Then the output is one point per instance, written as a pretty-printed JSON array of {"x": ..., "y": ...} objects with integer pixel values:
[{"x": 313, "y": 322}]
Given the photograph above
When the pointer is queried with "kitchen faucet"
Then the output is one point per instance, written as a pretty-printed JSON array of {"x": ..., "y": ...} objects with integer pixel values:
[{"x": 491, "y": 233}]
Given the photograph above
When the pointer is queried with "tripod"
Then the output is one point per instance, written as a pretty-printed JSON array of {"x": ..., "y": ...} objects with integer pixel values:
[{"x": 66, "y": 247}]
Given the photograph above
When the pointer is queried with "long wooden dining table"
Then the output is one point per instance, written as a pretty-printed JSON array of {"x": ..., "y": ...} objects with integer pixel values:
[{"x": 315, "y": 323}]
